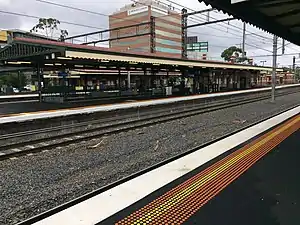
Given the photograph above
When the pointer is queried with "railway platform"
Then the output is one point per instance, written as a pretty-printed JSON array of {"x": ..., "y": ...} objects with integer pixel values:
[
  {"x": 12, "y": 108},
  {"x": 27, "y": 111},
  {"x": 247, "y": 177},
  {"x": 16, "y": 104}
]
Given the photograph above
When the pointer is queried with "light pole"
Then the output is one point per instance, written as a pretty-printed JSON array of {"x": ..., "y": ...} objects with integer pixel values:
[
  {"x": 263, "y": 62},
  {"x": 275, "y": 38},
  {"x": 244, "y": 40}
]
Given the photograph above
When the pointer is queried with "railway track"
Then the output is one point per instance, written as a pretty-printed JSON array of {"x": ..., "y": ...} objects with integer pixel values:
[
  {"x": 17, "y": 144},
  {"x": 66, "y": 205}
]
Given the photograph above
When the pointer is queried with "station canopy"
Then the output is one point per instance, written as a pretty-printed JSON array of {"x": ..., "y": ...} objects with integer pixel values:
[
  {"x": 52, "y": 54},
  {"x": 279, "y": 17}
]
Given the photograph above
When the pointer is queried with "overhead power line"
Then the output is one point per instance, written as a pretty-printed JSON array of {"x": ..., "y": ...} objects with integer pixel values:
[
  {"x": 258, "y": 47},
  {"x": 249, "y": 44},
  {"x": 239, "y": 28},
  {"x": 37, "y": 17},
  {"x": 86, "y": 26},
  {"x": 87, "y": 11},
  {"x": 289, "y": 54},
  {"x": 92, "y": 12},
  {"x": 102, "y": 14}
]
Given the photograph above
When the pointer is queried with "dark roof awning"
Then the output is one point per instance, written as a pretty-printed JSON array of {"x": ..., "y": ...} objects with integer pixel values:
[
  {"x": 24, "y": 51},
  {"x": 13, "y": 69},
  {"x": 280, "y": 17},
  {"x": 20, "y": 50}
]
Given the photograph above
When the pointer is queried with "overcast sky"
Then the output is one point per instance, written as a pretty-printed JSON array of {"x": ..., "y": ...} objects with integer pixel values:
[{"x": 220, "y": 36}]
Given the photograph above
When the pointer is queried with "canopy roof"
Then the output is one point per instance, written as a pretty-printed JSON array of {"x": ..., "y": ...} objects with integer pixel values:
[
  {"x": 280, "y": 17},
  {"x": 25, "y": 51}
]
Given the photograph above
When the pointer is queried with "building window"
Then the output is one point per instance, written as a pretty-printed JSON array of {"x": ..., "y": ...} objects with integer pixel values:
[
  {"x": 168, "y": 26},
  {"x": 168, "y": 18},
  {"x": 168, "y": 50},
  {"x": 168, "y": 34},
  {"x": 168, "y": 42},
  {"x": 114, "y": 19},
  {"x": 130, "y": 43}
]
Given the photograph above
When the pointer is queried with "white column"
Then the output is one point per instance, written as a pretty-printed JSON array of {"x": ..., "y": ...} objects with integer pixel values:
[{"x": 128, "y": 79}]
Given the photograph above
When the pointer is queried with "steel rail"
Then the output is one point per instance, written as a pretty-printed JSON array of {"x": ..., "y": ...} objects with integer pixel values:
[
  {"x": 94, "y": 193},
  {"x": 74, "y": 137}
]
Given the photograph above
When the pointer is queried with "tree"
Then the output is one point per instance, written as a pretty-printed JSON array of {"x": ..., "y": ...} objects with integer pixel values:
[
  {"x": 48, "y": 27},
  {"x": 297, "y": 73},
  {"x": 63, "y": 34},
  {"x": 233, "y": 51},
  {"x": 3, "y": 80},
  {"x": 16, "y": 80}
]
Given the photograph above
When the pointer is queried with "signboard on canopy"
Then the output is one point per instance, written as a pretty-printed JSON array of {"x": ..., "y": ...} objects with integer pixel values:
[{"x": 137, "y": 10}]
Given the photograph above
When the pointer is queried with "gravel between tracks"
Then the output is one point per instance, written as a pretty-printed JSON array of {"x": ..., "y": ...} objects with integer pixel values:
[{"x": 32, "y": 184}]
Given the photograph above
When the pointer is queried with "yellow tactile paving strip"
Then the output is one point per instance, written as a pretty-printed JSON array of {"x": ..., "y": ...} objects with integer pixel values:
[{"x": 180, "y": 203}]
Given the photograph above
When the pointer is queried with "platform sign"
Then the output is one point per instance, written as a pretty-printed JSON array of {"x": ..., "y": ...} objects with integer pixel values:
[
  {"x": 198, "y": 47},
  {"x": 237, "y": 1},
  {"x": 137, "y": 10}
]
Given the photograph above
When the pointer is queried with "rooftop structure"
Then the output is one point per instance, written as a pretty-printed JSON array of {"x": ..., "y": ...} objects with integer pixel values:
[
  {"x": 280, "y": 17},
  {"x": 7, "y": 35}
]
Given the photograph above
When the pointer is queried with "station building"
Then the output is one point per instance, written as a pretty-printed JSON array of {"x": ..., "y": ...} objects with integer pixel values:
[
  {"x": 101, "y": 72},
  {"x": 285, "y": 77}
]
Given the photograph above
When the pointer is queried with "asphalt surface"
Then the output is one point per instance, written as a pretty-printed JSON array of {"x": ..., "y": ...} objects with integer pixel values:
[
  {"x": 7, "y": 108},
  {"x": 267, "y": 194},
  {"x": 33, "y": 184}
]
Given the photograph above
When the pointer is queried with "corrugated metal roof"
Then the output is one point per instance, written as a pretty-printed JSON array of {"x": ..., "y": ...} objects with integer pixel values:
[
  {"x": 101, "y": 56},
  {"x": 280, "y": 17},
  {"x": 98, "y": 53}
]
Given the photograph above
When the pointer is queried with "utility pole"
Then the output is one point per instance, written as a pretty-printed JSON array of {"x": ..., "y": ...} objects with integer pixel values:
[
  {"x": 19, "y": 79},
  {"x": 294, "y": 63},
  {"x": 283, "y": 46},
  {"x": 39, "y": 82},
  {"x": 184, "y": 34},
  {"x": 274, "y": 67},
  {"x": 244, "y": 40}
]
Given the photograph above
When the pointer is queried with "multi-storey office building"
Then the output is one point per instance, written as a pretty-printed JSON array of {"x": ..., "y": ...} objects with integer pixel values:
[{"x": 168, "y": 37}]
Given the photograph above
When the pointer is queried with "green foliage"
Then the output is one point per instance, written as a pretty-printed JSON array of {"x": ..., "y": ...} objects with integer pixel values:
[
  {"x": 13, "y": 80},
  {"x": 48, "y": 26},
  {"x": 63, "y": 35},
  {"x": 297, "y": 73},
  {"x": 3, "y": 80},
  {"x": 233, "y": 50},
  {"x": 227, "y": 53}
]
